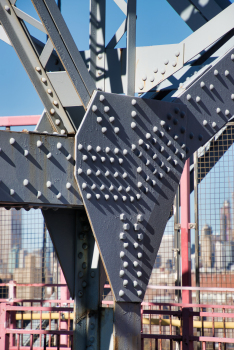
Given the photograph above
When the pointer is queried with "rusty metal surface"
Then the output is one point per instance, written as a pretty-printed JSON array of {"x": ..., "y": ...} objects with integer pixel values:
[
  {"x": 128, "y": 190},
  {"x": 37, "y": 169}
]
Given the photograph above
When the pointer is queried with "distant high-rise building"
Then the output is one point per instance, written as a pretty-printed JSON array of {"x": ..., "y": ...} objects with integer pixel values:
[
  {"x": 225, "y": 222},
  {"x": 10, "y": 239},
  {"x": 206, "y": 247}
]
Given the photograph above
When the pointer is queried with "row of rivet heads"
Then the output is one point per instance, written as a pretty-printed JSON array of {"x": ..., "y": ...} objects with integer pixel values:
[
  {"x": 84, "y": 267},
  {"x": 39, "y": 194},
  {"x": 162, "y": 71},
  {"x": 122, "y": 236},
  {"x": 50, "y": 93},
  {"x": 39, "y": 144}
]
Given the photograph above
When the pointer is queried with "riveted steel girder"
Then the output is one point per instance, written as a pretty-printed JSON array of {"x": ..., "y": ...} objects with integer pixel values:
[{"x": 37, "y": 170}]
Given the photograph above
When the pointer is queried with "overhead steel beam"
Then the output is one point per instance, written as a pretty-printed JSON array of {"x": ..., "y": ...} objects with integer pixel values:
[
  {"x": 131, "y": 47},
  {"x": 66, "y": 49},
  {"x": 23, "y": 46}
]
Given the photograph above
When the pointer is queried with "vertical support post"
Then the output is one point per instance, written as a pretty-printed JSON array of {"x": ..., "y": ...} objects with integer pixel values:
[
  {"x": 65, "y": 295},
  {"x": 131, "y": 47},
  {"x": 12, "y": 296},
  {"x": 187, "y": 328},
  {"x": 185, "y": 232},
  {"x": 127, "y": 326},
  {"x": 97, "y": 42},
  {"x": 86, "y": 308},
  {"x": 4, "y": 338},
  {"x": 177, "y": 245}
]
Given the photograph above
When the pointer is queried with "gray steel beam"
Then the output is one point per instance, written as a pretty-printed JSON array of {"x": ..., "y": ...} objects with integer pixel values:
[
  {"x": 66, "y": 49},
  {"x": 131, "y": 47},
  {"x": 208, "y": 9},
  {"x": 24, "y": 49},
  {"x": 37, "y": 170}
]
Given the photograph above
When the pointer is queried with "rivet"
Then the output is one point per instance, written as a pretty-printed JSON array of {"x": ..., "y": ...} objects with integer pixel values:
[
  {"x": 139, "y": 169},
  {"x": 133, "y": 125},
  {"x": 205, "y": 122},
  {"x": 138, "y": 196},
  {"x": 84, "y": 185},
  {"x": 94, "y": 108},
  {"x": 125, "y": 264},
  {"x": 125, "y": 245},
  {"x": 121, "y": 273},
  {"x": 139, "y": 255},
  {"x": 151, "y": 78},
  {"x": 49, "y": 91},
  {"x": 177, "y": 53},
  {"x": 26, "y": 153},
  {"x": 211, "y": 86},
  {"x": 141, "y": 86},
  {"x": 227, "y": 112},
  {"x": 63, "y": 132},
  {"x": 103, "y": 159},
  {"x": 57, "y": 121},
  {"x": 140, "y": 142},
  {"x": 112, "y": 119},
  {"x": 155, "y": 129},
  {"x": 213, "y": 125},
  {"x": 162, "y": 71},
  {"x": 116, "y": 174},
  {"x": 115, "y": 198},
  {"x": 188, "y": 97},
  {"x": 38, "y": 69},
  {"x": 135, "y": 263},
  {"x": 99, "y": 119},
  {"x": 111, "y": 188},
  {"x": 121, "y": 293},
  {"x": 102, "y": 188},
  {"x": 106, "y": 109},
  {"x": 232, "y": 96},
  {"x": 126, "y": 227},
  {"x": 94, "y": 158},
  {"x": 166, "y": 62},
  {"x": 107, "y": 173},
  {"x": 25, "y": 182},
  {"x": 88, "y": 196},
  {"x": 139, "y": 184},
  {"x": 104, "y": 129},
  {"x": 48, "y": 184},
  {"x": 98, "y": 196},
  {"x": 155, "y": 156},
  {"x": 12, "y": 192},
  {"x": 80, "y": 293},
  {"x": 107, "y": 197},
  {"x": 116, "y": 150},
  {"x": 98, "y": 148},
  {"x": 89, "y": 148},
  {"x": 136, "y": 245},
  {"x": 155, "y": 70},
  {"x": 116, "y": 130},
  {"x": 84, "y": 157},
  {"x": 128, "y": 189},
  {"x": 175, "y": 137},
  {"x": 89, "y": 172},
  {"x": 162, "y": 164},
  {"x": 93, "y": 186},
  {"x": 139, "y": 273},
  {"x": 43, "y": 80},
  {"x": 232, "y": 57},
  {"x": 198, "y": 99},
  {"x": 147, "y": 162},
  {"x": 122, "y": 235},
  {"x": 218, "y": 110},
  {"x": 133, "y": 114},
  {"x": 59, "y": 145},
  {"x": 133, "y": 102},
  {"x": 84, "y": 284},
  {"x": 124, "y": 175},
  {"x": 101, "y": 98},
  {"x": 216, "y": 72},
  {"x": 124, "y": 198},
  {"x": 139, "y": 293},
  {"x": 49, "y": 155},
  {"x": 160, "y": 175},
  {"x": 182, "y": 156},
  {"x": 131, "y": 199},
  {"x": 162, "y": 133},
  {"x": 80, "y": 147},
  {"x": 121, "y": 254},
  {"x": 144, "y": 77},
  {"x": 136, "y": 227},
  {"x": 120, "y": 161},
  {"x": 135, "y": 283},
  {"x": 79, "y": 171},
  {"x": 12, "y": 141},
  {"x": 148, "y": 136},
  {"x": 226, "y": 73},
  {"x": 122, "y": 217},
  {"x": 39, "y": 194},
  {"x": 68, "y": 185}
]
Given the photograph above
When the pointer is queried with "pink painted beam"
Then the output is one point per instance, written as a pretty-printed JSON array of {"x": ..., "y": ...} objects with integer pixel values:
[{"x": 19, "y": 120}]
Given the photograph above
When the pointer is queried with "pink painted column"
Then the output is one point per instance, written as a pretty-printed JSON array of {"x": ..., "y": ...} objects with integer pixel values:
[
  {"x": 12, "y": 296},
  {"x": 185, "y": 232},
  {"x": 65, "y": 295}
]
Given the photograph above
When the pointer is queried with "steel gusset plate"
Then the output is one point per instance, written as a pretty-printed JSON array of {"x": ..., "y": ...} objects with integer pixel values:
[
  {"x": 37, "y": 169},
  {"x": 210, "y": 101},
  {"x": 129, "y": 159}
]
